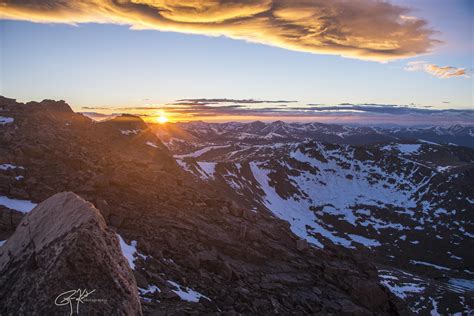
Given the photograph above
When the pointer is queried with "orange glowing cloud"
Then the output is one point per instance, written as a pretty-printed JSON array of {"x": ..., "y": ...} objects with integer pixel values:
[
  {"x": 442, "y": 72},
  {"x": 363, "y": 29}
]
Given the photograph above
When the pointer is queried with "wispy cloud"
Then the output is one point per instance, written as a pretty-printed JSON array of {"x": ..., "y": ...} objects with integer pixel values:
[
  {"x": 225, "y": 100},
  {"x": 191, "y": 110},
  {"x": 442, "y": 72},
  {"x": 364, "y": 29}
]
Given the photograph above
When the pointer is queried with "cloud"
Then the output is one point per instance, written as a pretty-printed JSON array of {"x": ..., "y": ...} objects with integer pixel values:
[
  {"x": 96, "y": 108},
  {"x": 444, "y": 72},
  {"x": 363, "y": 29},
  {"x": 225, "y": 100},
  {"x": 364, "y": 112}
]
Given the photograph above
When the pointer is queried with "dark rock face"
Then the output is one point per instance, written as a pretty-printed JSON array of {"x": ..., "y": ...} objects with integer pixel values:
[
  {"x": 186, "y": 231},
  {"x": 62, "y": 245},
  {"x": 9, "y": 220}
]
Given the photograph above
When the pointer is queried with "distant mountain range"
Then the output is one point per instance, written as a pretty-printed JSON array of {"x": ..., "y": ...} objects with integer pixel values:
[{"x": 259, "y": 132}]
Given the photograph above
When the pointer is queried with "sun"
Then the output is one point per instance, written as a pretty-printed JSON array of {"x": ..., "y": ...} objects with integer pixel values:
[{"x": 161, "y": 118}]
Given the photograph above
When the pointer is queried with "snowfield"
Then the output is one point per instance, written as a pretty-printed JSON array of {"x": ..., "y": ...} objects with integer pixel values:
[
  {"x": 23, "y": 206},
  {"x": 339, "y": 188},
  {"x": 374, "y": 197}
]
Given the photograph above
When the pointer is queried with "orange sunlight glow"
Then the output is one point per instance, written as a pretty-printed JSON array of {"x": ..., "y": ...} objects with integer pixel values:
[{"x": 161, "y": 118}]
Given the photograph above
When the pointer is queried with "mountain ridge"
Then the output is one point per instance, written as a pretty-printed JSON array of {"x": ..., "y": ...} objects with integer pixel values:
[{"x": 259, "y": 133}]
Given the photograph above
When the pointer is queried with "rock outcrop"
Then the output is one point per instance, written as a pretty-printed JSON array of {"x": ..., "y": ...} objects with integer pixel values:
[{"x": 63, "y": 251}]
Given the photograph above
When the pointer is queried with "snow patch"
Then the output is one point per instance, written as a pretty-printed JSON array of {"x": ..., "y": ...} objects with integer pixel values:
[
  {"x": 152, "y": 144},
  {"x": 427, "y": 142},
  {"x": 403, "y": 290},
  {"x": 399, "y": 288},
  {"x": 467, "y": 285},
  {"x": 187, "y": 294},
  {"x": 130, "y": 251},
  {"x": 403, "y": 148},
  {"x": 7, "y": 166},
  {"x": 130, "y": 131},
  {"x": 183, "y": 165},
  {"x": 434, "y": 311},
  {"x": 200, "y": 152},
  {"x": 429, "y": 265},
  {"x": 23, "y": 206},
  {"x": 149, "y": 290},
  {"x": 364, "y": 241},
  {"x": 207, "y": 169},
  {"x": 443, "y": 168},
  {"x": 6, "y": 120}
]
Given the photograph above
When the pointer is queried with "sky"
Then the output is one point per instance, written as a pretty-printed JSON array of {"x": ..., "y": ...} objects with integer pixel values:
[{"x": 333, "y": 58}]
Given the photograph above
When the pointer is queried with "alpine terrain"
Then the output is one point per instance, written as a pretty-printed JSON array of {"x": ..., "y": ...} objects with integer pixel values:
[{"x": 232, "y": 218}]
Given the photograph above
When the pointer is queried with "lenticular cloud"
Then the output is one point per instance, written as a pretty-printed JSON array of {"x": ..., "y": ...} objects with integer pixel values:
[{"x": 363, "y": 29}]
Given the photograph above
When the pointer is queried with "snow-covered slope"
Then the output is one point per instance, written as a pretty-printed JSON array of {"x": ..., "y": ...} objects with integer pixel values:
[{"x": 409, "y": 204}]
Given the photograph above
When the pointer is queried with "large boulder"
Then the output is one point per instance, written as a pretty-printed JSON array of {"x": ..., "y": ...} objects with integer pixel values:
[{"x": 63, "y": 256}]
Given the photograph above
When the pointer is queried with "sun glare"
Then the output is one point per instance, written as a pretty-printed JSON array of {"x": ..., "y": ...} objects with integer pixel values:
[{"x": 161, "y": 118}]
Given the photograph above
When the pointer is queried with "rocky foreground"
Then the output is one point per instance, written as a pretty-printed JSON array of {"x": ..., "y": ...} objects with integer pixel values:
[
  {"x": 63, "y": 245},
  {"x": 191, "y": 249}
]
